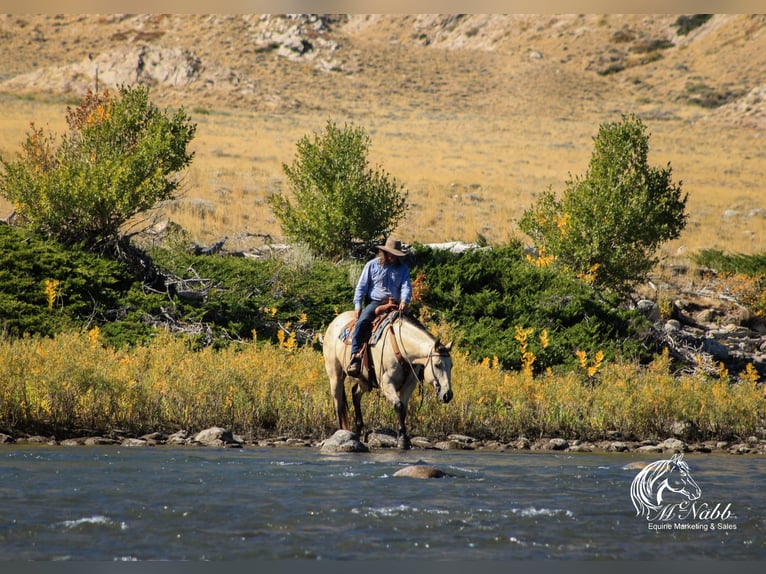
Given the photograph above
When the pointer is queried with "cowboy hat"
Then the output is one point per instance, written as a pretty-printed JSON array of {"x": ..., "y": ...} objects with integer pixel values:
[{"x": 392, "y": 246}]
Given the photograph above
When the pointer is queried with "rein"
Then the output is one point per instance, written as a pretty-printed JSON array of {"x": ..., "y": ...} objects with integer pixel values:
[{"x": 404, "y": 361}]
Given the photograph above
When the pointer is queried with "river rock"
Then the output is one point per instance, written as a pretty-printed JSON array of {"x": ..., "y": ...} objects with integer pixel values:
[
  {"x": 673, "y": 444},
  {"x": 179, "y": 438},
  {"x": 421, "y": 471},
  {"x": 216, "y": 436},
  {"x": 558, "y": 444},
  {"x": 6, "y": 439},
  {"x": 131, "y": 441},
  {"x": 453, "y": 445},
  {"x": 342, "y": 441},
  {"x": 382, "y": 439},
  {"x": 421, "y": 442}
]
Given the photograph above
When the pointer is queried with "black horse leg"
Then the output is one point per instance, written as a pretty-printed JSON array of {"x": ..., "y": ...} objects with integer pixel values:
[
  {"x": 403, "y": 441},
  {"x": 356, "y": 395}
]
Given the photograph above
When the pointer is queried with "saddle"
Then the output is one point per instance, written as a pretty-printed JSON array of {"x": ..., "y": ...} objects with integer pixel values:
[{"x": 384, "y": 316}]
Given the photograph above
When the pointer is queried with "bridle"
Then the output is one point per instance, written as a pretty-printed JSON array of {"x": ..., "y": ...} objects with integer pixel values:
[{"x": 404, "y": 361}]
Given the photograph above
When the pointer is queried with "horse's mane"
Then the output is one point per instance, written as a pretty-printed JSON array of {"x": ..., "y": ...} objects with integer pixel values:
[
  {"x": 415, "y": 322},
  {"x": 642, "y": 490}
]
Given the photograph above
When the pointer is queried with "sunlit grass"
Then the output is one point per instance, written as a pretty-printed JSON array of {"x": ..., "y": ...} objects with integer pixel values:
[
  {"x": 72, "y": 382},
  {"x": 466, "y": 175}
]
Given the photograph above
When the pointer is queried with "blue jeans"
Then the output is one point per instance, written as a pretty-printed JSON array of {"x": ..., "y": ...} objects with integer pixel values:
[{"x": 363, "y": 327}]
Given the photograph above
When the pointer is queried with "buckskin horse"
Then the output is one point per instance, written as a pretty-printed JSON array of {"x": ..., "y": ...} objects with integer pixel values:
[{"x": 403, "y": 354}]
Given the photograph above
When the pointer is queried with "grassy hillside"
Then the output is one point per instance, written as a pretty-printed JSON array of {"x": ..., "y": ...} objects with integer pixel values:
[{"x": 475, "y": 114}]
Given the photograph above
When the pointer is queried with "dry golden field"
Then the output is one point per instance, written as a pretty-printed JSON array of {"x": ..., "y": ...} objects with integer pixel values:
[{"x": 474, "y": 115}]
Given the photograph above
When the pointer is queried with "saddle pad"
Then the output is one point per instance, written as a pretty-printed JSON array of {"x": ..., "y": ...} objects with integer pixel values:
[{"x": 377, "y": 326}]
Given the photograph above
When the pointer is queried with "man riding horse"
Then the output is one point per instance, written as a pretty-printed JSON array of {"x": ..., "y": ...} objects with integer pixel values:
[{"x": 384, "y": 280}]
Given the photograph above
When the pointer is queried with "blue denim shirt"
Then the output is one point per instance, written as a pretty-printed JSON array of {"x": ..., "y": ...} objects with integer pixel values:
[{"x": 379, "y": 282}]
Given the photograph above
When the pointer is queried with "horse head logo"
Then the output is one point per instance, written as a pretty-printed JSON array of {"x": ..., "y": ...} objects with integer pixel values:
[{"x": 661, "y": 486}]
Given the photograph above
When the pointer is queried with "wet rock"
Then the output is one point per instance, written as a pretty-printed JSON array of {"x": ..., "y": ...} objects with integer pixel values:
[
  {"x": 494, "y": 445},
  {"x": 297, "y": 442},
  {"x": 462, "y": 438},
  {"x": 178, "y": 438},
  {"x": 674, "y": 445},
  {"x": 342, "y": 441},
  {"x": 382, "y": 439},
  {"x": 72, "y": 441},
  {"x": 650, "y": 448},
  {"x": 134, "y": 442},
  {"x": 216, "y": 437},
  {"x": 453, "y": 445},
  {"x": 741, "y": 448},
  {"x": 155, "y": 438},
  {"x": 421, "y": 442},
  {"x": 37, "y": 439},
  {"x": 99, "y": 441},
  {"x": 421, "y": 471},
  {"x": 618, "y": 446},
  {"x": 558, "y": 444},
  {"x": 523, "y": 443},
  {"x": 6, "y": 439}
]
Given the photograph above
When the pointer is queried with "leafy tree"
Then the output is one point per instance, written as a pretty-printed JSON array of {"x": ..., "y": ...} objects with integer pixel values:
[
  {"x": 609, "y": 224},
  {"x": 342, "y": 206},
  {"x": 118, "y": 159}
]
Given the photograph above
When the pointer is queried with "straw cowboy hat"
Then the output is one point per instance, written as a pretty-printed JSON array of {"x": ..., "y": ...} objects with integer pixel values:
[{"x": 392, "y": 246}]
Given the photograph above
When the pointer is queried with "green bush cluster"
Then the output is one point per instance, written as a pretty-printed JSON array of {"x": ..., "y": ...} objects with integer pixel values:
[
  {"x": 486, "y": 294},
  {"x": 753, "y": 265},
  {"x": 609, "y": 223},
  {"x": 685, "y": 24},
  {"x": 87, "y": 287},
  {"x": 119, "y": 158},
  {"x": 341, "y": 206}
]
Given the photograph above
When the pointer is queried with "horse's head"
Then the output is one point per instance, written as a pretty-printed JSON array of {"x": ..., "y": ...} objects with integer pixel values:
[
  {"x": 659, "y": 479},
  {"x": 679, "y": 480},
  {"x": 438, "y": 371}
]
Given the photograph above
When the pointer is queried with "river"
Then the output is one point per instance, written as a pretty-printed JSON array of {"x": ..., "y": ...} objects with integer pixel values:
[{"x": 194, "y": 503}]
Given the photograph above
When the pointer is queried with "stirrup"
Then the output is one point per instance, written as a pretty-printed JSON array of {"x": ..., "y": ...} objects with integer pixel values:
[{"x": 354, "y": 368}]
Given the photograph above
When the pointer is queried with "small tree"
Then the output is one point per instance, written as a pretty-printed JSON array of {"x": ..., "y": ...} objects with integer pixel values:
[
  {"x": 117, "y": 159},
  {"x": 609, "y": 224},
  {"x": 342, "y": 206}
]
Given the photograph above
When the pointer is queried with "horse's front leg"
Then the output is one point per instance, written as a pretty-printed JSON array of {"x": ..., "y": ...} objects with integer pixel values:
[
  {"x": 399, "y": 398},
  {"x": 402, "y": 441}
]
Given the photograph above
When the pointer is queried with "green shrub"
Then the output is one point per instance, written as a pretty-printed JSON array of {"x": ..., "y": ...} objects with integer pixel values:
[
  {"x": 342, "y": 206},
  {"x": 487, "y": 294},
  {"x": 118, "y": 159},
  {"x": 46, "y": 288},
  {"x": 608, "y": 225},
  {"x": 685, "y": 24},
  {"x": 257, "y": 295},
  {"x": 752, "y": 264}
]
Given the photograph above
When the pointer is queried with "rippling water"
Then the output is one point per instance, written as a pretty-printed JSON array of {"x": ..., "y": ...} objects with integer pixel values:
[{"x": 116, "y": 503}]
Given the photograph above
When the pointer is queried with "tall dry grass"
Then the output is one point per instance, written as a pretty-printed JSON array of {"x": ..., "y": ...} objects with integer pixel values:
[
  {"x": 467, "y": 174},
  {"x": 72, "y": 382}
]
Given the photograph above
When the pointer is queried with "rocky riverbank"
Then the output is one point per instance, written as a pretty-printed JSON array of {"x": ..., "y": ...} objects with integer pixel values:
[{"x": 345, "y": 441}]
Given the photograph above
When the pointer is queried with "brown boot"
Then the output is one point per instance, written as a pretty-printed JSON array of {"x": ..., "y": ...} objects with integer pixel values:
[{"x": 354, "y": 368}]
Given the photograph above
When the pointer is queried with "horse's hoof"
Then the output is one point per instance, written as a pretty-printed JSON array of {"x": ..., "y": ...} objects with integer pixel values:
[{"x": 404, "y": 444}]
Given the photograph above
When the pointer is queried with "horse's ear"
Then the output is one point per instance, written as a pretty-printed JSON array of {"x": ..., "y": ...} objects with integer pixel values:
[{"x": 448, "y": 346}]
